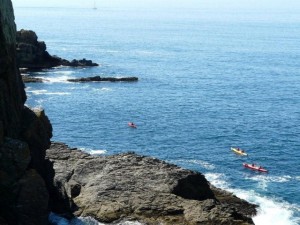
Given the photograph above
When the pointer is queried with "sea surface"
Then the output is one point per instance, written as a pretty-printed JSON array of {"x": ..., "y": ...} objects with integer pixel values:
[{"x": 208, "y": 80}]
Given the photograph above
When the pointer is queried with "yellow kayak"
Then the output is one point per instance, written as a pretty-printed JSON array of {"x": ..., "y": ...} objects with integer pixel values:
[{"x": 239, "y": 151}]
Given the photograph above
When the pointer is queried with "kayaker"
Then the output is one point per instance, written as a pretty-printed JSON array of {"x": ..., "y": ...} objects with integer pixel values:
[{"x": 131, "y": 124}]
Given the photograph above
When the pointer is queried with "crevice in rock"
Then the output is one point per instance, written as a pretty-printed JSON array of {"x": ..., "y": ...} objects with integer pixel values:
[{"x": 193, "y": 187}]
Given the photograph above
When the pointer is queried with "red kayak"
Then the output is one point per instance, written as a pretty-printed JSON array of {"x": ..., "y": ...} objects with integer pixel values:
[
  {"x": 131, "y": 124},
  {"x": 254, "y": 167}
]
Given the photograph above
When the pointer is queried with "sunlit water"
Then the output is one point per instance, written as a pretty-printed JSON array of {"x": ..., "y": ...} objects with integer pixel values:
[{"x": 207, "y": 81}]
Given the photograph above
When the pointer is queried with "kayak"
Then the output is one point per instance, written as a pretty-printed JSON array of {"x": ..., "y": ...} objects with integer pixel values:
[
  {"x": 254, "y": 167},
  {"x": 132, "y": 125},
  {"x": 239, "y": 151}
]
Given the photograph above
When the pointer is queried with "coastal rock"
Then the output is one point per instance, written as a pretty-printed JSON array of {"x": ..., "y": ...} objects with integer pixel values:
[
  {"x": 32, "y": 54},
  {"x": 30, "y": 79},
  {"x": 37, "y": 132},
  {"x": 130, "y": 186},
  {"x": 81, "y": 62},
  {"x": 32, "y": 199},
  {"x": 101, "y": 79},
  {"x": 241, "y": 205}
]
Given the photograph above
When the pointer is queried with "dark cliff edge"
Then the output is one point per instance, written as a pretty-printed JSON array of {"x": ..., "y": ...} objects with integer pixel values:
[
  {"x": 37, "y": 177},
  {"x": 24, "y": 137}
]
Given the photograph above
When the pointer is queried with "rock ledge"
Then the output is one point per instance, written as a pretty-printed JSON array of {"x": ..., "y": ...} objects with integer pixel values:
[{"x": 134, "y": 187}]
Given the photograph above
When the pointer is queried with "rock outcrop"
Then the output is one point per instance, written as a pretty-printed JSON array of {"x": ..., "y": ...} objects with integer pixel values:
[
  {"x": 24, "y": 137},
  {"x": 32, "y": 79},
  {"x": 102, "y": 79},
  {"x": 32, "y": 54},
  {"x": 129, "y": 186}
]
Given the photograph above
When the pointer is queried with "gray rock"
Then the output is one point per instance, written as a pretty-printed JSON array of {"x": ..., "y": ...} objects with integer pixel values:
[
  {"x": 130, "y": 186},
  {"x": 101, "y": 79}
]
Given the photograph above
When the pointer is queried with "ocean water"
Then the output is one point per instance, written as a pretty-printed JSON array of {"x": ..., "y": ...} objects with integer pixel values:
[{"x": 208, "y": 80}]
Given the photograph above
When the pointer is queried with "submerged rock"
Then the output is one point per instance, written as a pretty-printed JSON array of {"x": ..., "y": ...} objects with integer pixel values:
[
  {"x": 101, "y": 79},
  {"x": 134, "y": 187}
]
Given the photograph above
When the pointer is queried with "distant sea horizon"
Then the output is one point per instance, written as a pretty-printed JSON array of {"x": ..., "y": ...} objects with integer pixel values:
[{"x": 208, "y": 80}]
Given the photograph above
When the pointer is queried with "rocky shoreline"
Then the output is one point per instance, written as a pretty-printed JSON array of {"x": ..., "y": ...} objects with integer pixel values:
[{"x": 37, "y": 177}]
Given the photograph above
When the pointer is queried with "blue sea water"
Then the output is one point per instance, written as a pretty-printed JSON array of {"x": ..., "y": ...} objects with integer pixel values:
[{"x": 208, "y": 80}]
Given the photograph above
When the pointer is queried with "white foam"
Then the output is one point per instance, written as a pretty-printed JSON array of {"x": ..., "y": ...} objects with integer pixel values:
[
  {"x": 271, "y": 211},
  {"x": 274, "y": 179},
  {"x": 81, "y": 87},
  {"x": 56, "y": 79},
  {"x": 93, "y": 152},
  {"x": 263, "y": 181},
  {"x": 203, "y": 164},
  {"x": 69, "y": 72},
  {"x": 37, "y": 92},
  {"x": 45, "y": 92},
  {"x": 97, "y": 152},
  {"x": 58, "y": 93},
  {"x": 85, "y": 221},
  {"x": 217, "y": 179},
  {"x": 102, "y": 89}
]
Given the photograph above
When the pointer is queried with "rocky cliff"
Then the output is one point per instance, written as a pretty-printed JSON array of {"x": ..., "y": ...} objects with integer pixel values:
[
  {"x": 32, "y": 54},
  {"x": 24, "y": 137}
]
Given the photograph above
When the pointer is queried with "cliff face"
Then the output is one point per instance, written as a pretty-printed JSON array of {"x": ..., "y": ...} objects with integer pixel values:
[
  {"x": 24, "y": 137},
  {"x": 12, "y": 95}
]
